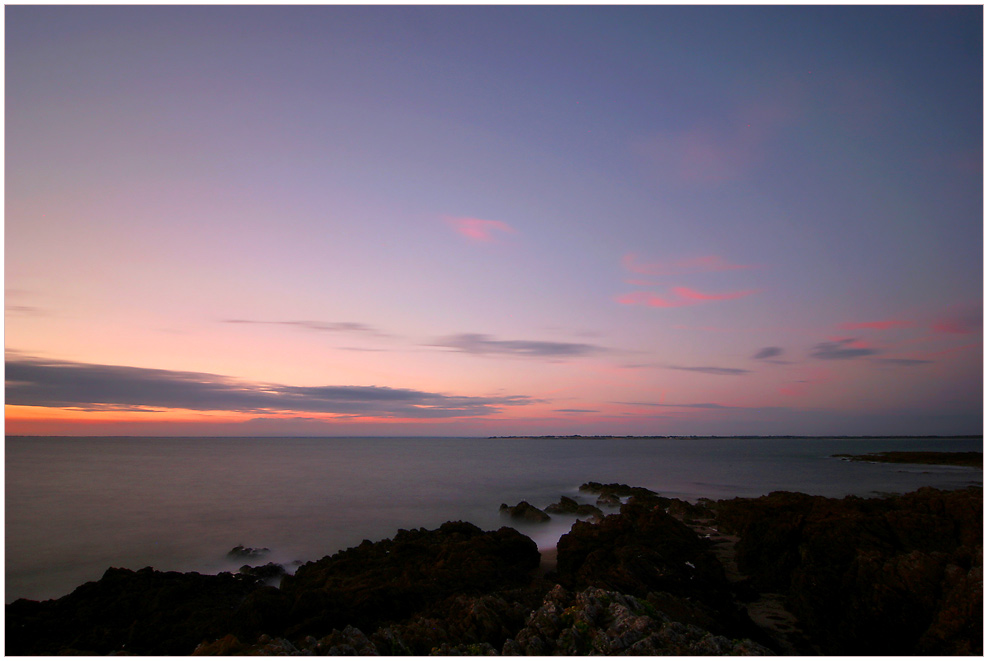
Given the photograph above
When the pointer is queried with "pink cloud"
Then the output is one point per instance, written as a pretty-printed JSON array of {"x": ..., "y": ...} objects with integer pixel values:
[
  {"x": 946, "y": 352},
  {"x": 688, "y": 265},
  {"x": 651, "y": 300},
  {"x": 476, "y": 229},
  {"x": 877, "y": 325},
  {"x": 683, "y": 296},
  {"x": 693, "y": 295},
  {"x": 960, "y": 320}
]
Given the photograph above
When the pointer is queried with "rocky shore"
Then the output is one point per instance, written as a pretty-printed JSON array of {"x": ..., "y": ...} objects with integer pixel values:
[{"x": 786, "y": 573}]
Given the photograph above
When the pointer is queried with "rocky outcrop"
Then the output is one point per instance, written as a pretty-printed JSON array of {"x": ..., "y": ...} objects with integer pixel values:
[
  {"x": 600, "y": 622},
  {"x": 646, "y": 553},
  {"x": 241, "y": 551},
  {"x": 393, "y": 579},
  {"x": 269, "y": 573},
  {"x": 593, "y": 621},
  {"x": 611, "y": 495},
  {"x": 890, "y": 576},
  {"x": 141, "y": 612},
  {"x": 573, "y": 508},
  {"x": 523, "y": 511}
]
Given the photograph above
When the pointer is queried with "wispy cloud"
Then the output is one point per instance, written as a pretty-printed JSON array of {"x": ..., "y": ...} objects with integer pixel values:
[
  {"x": 678, "y": 296},
  {"x": 842, "y": 349},
  {"x": 651, "y": 300},
  {"x": 320, "y": 326},
  {"x": 960, "y": 320},
  {"x": 84, "y": 386},
  {"x": 877, "y": 325},
  {"x": 680, "y": 266},
  {"x": 693, "y": 295},
  {"x": 476, "y": 229},
  {"x": 771, "y": 355},
  {"x": 477, "y": 343},
  {"x": 576, "y": 411},
  {"x": 708, "y": 154},
  {"x": 719, "y": 371},
  {"x": 702, "y": 405},
  {"x": 681, "y": 297},
  {"x": 902, "y": 362},
  {"x": 24, "y": 310}
]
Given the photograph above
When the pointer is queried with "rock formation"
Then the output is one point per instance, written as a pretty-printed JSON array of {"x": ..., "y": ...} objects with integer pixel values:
[
  {"x": 891, "y": 576},
  {"x": 524, "y": 512}
]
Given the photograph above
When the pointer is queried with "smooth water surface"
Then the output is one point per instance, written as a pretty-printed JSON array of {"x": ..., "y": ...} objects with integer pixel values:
[{"x": 75, "y": 506}]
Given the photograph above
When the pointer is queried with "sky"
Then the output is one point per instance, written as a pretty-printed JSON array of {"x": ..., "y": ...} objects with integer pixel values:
[{"x": 481, "y": 221}]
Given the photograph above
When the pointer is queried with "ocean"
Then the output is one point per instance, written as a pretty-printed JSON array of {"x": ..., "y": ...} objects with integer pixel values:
[{"x": 78, "y": 505}]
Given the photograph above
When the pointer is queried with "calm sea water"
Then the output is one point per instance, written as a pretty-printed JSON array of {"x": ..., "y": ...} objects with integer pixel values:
[{"x": 75, "y": 506}]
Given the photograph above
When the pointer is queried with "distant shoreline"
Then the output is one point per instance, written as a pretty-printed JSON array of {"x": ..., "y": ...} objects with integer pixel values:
[
  {"x": 971, "y": 459},
  {"x": 686, "y": 436},
  {"x": 544, "y": 436}
]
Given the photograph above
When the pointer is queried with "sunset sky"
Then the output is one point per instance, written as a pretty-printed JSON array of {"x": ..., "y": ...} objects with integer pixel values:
[{"x": 480, "y": 221}]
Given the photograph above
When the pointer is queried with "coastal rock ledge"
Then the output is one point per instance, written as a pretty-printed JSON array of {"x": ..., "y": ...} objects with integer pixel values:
[{"x": 892, "y": 576}]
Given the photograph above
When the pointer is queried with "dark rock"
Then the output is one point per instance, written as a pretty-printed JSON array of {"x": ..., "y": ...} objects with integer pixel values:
[
  {"x": 570, "y": 506},
  {"x": 263, "y": 610},
  {"x": 384, "y": 582},
  {"x": 524, "y": 512},
  {"x": 600, "y": 622},
  {"x": 229, "y": 645},
  {"x": 241, "y": 551},
  {"x": 893, "y": 576},
  {"x": 351, "y": 641},
  {"x": 142, "y": 612},
  {"x": 616, "y": 490},
  {"x": 269, "y": 572},
  {"x": 644, "y": 550}
]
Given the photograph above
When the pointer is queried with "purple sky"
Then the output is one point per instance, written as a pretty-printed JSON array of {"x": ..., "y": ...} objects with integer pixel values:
[{"x": 329, "y": 220}]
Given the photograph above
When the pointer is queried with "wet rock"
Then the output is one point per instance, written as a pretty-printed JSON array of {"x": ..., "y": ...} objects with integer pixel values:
[
  {"x": 523, "y": 511},
  {"x": 615, "y": 490}
]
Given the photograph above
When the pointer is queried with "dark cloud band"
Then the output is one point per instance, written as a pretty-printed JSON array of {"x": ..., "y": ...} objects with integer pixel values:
[
  {"x": 65, "y": 384},
  {"x": 482, "y": 344},
  {"x": 840, "y": 350}
]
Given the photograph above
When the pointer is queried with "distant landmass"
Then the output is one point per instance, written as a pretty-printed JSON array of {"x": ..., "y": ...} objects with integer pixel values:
[
  {"x": 680, "y": 436},
  {"x": 973, "y": 459}
]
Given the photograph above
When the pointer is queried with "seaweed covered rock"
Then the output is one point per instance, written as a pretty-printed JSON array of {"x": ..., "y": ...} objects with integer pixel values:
[
  {"x": 390, "y": 580},
  {"x": 897, "y": 575}
]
